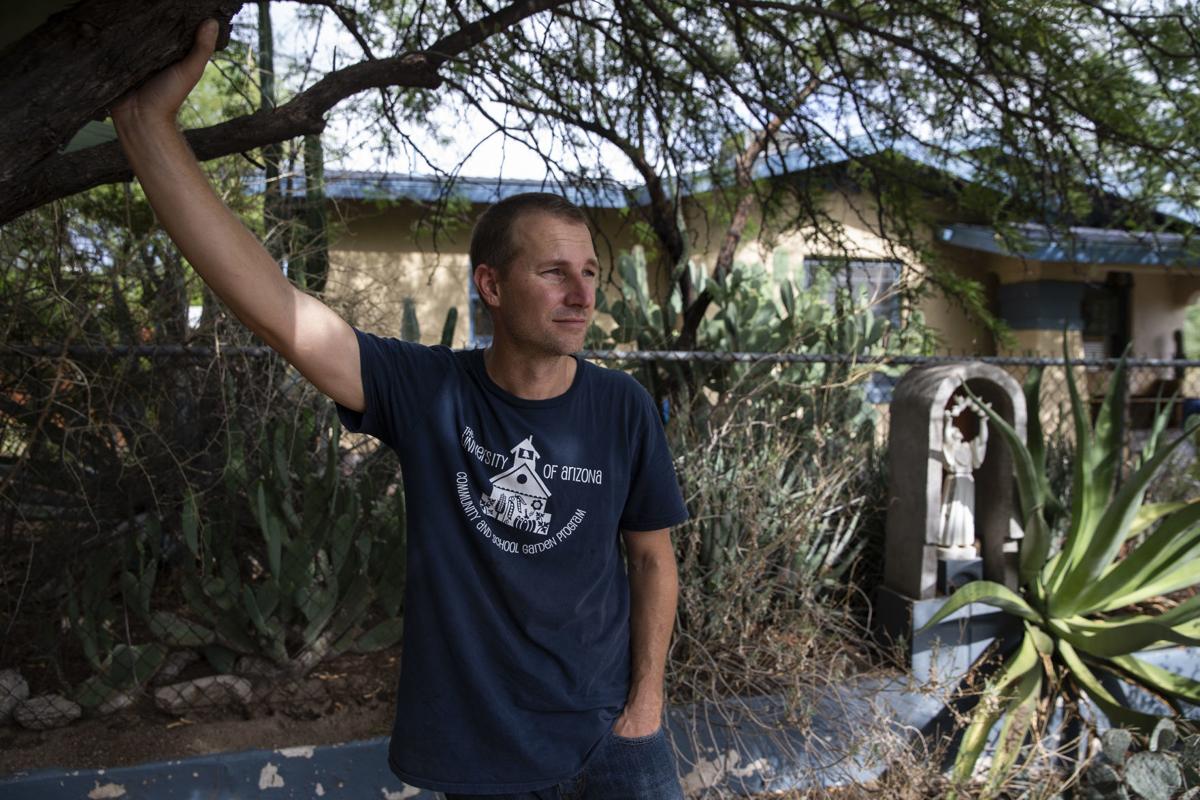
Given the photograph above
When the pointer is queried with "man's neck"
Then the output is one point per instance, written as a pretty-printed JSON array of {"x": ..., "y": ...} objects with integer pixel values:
[{"x": 529, "y": 378}]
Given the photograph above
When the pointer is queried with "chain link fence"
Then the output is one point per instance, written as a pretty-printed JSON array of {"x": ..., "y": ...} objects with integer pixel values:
[{"x": 185, "y": 532}]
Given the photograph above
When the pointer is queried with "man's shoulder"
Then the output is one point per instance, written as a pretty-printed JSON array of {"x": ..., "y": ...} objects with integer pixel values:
[
  {"x": 615, "y": 380},
  {"x": 391, "y": 346},
  {"x": 404, "y": 363}
]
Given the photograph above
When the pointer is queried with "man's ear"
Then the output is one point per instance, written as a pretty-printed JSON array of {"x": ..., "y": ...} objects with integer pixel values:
[{"x": 487, "y": 283}]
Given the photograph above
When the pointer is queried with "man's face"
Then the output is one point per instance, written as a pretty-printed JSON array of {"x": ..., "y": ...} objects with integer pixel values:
[{"x": 544, "y": 300}]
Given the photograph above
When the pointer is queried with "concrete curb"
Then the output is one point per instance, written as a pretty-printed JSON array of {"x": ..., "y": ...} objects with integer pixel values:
[
  {"x": 721, "y": 748},
  {"x": 737, "y": 748}
]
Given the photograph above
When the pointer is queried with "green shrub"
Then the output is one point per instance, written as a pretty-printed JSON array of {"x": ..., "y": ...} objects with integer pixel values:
[
  {"x": 780, "y": 470},
  {"x": 325, "y": 556},
  {"x": 1080, "y": 602},
  {"x": 286, "y": 559}
]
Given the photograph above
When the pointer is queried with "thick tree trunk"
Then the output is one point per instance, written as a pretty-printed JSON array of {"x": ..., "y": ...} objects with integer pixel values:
[{"x": 74, "y": 66}]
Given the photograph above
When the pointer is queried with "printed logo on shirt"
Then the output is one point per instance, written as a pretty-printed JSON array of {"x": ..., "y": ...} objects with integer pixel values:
[{"x": 519, "y": 496}]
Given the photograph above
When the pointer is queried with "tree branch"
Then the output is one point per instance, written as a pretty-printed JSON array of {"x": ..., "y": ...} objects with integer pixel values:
[
  {"x": 470, "y": 35},
  {"x": 695, "y": 311},
  {"x": 60, "y": 175}
]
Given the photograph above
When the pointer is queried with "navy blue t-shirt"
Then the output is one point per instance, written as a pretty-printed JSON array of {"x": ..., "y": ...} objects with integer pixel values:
[{"x": 516, "y": 626}]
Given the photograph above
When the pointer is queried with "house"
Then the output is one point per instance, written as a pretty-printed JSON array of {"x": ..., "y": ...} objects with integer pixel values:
[{"x": 1109, "y": 289}]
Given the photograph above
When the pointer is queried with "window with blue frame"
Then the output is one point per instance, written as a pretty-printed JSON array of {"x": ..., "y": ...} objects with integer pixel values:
[
  {"x": 874, "y": 281},
  {"x": 870, "y": 281}
]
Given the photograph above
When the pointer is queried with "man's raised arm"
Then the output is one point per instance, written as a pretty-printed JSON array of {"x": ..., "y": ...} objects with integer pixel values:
[{"x": 226, "y": 255}]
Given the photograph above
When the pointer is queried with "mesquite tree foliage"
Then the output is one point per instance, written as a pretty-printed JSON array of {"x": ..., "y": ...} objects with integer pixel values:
[
  {"x": 1055, "y": 104},
  {"x": 1066, "y": 114}
]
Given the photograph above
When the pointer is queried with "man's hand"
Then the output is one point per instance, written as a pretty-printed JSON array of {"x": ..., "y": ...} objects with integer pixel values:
[
  {"x": 223, "y": 252},
  {"x": 641, "y": 719},
  {"x": 159, "y": 98},
  {"x": 653, "y": 591}
]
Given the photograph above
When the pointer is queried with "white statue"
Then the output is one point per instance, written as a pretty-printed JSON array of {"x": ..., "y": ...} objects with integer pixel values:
[{"x": 956, "y": 535}]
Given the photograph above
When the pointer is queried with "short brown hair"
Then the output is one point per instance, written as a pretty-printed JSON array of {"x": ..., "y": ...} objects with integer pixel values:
[{"x": 492, "y": 240}]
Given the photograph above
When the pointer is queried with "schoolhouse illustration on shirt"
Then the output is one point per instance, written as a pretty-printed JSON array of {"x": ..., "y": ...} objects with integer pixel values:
[{"x": 519, "y": 497}]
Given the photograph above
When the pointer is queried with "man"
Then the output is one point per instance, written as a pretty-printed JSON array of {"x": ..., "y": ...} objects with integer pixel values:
[{"x": 533, "y": 665}]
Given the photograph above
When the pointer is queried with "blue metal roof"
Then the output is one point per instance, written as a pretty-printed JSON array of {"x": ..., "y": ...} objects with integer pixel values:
[
  {"x": 1083, "y": 245},
  {"x": 366, "y": 185},
  {"x": 348, "y": 185},
  {"x": 1079, "y": 245}
]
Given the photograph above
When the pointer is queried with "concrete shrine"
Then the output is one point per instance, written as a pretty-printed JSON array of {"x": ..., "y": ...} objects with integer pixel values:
[{"x": 947, "y": 473}]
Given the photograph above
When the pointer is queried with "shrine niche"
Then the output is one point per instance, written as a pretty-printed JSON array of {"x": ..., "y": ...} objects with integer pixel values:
[{"x": 952, "y": 511}]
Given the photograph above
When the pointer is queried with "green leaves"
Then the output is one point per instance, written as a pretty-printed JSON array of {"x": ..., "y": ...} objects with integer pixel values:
[
  {"x": 1067, "y": 645},
  {"x": 1032, "y": 488},
  {"x": 1098, "y": 547},
  {"x": 126, "y": 667},
  {"x": 989, "y": 593},
  {"x": 302, "y": 590}
]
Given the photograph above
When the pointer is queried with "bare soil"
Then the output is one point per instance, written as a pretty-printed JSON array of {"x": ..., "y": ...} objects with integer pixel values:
[{"x": 344, "y": 699}]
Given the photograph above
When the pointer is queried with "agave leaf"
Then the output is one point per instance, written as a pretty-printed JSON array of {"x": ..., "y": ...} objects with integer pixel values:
[
  {"x": 1042, "y": 641},
  {"x": 1117, "y": 713},
  {"x": 1171, "y": 543},
  {"x": 270, "y": 529},
  {"x": 451, "y": 322},
  {"x": 988, "y": 593},
  {"x": 992, "y": 705},
  {"x": 1110, "y": 424},
  {"x": 1035, "y": 438},
  {"x": 133, "y": 665},
  {"x": 974, "y": 740},
  {"x": 382, "y": 636},
  {"x": 1186, "y": 612},
  {"x": 1024, "y": 660},
  {"x": 1018, "y": 723},
  {"x": 191, "y": 524},
  {"x": 279, "y": 456},
  {"x": 1151, "y": 513},
  {"x": 232, "y": 633},
  {"x": 179, "y": 632},
  {"x": 1108, "y": 639},
  {"x": 1036, "y": 546},
  {"x": 1082, "y": 504},
  {"x": 1161, "y": 415},
  {"x": 1159, "y": 680},
  {"x": 266, "y": 598},
  {"x": 221, "y": 658},
  {"x": 1184, "y": 574},
  {"x": 250, "y": 604},
  {"x": 1109, "y": 534},
  {"x": 1032, "y": 389}
]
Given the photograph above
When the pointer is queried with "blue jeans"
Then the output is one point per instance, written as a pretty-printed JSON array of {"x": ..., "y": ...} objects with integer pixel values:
[{"x": 641, "y": 768}]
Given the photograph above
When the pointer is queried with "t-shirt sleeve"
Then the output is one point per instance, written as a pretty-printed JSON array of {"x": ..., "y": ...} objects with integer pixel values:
[
  {"x": 399, "y": 379},
  {"x": 655, "y": 500}
]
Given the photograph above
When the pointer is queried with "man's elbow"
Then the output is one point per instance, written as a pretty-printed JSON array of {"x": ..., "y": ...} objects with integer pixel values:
[{"x": 653, "y": 564}]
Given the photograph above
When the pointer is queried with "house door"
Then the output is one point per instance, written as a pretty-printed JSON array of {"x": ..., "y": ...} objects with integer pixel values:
[{"x": 1105, "y": 312}]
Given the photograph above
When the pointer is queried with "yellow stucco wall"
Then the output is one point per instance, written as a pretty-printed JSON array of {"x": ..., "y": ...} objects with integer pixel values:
[
  {"x": 853, "y": 229},
  {"x": 382, "y": 254}
]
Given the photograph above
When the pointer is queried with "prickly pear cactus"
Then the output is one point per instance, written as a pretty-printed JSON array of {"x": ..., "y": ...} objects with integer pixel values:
[{"x": 1166, "y": 770}]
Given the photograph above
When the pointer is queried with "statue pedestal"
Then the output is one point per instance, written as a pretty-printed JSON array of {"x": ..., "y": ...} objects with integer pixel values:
[
  {"x": 957, "y": 566},
  {"x": 945, "y": 651}
]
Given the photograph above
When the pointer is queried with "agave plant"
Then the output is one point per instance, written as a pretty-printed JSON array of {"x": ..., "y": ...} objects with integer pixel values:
[{"x": 1077, "y": 596}]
